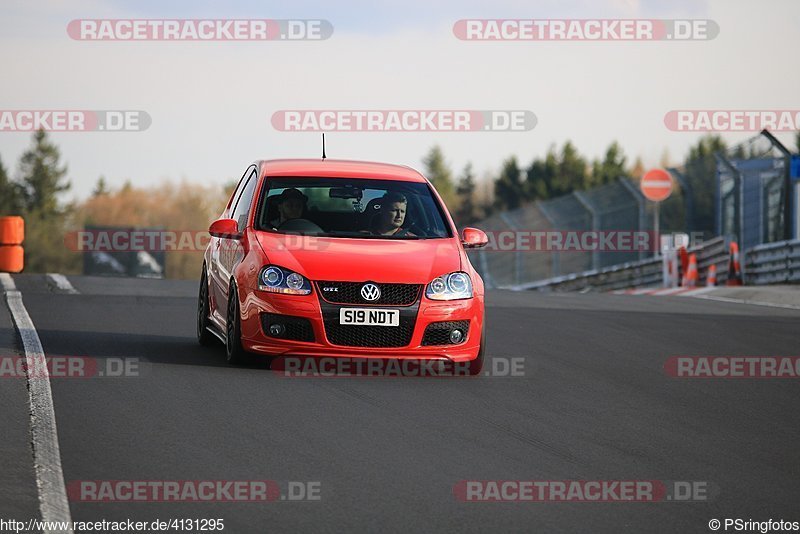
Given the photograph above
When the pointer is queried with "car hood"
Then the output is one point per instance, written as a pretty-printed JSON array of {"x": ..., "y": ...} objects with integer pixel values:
[{"x": 413, "y": 261}]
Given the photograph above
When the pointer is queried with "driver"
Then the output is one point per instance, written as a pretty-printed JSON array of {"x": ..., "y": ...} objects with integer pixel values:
[
  {"x": 291, "y": 205},
  {"x": 389, "y": 220}
]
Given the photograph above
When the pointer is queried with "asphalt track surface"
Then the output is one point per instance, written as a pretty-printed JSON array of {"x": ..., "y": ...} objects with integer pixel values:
[{"x": 594, "y": 403}]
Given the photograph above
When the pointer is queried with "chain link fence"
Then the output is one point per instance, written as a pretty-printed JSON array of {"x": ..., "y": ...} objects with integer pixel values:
[
  {"x": 756, "y": 192},
  {"x": 614, "y": 207}
]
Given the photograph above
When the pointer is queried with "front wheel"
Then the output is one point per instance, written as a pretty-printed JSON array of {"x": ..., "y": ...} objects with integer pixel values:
[{"x": 234, "y": 352}]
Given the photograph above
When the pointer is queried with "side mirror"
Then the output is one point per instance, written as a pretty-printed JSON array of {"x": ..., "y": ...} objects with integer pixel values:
[
  {"x": 473, "y": 238},
  {"x": 226, "y": 228}
]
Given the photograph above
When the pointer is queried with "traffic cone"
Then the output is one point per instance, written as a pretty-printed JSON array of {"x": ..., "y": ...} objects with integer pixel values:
[
  {"x": 711, "y": 277},
  {"x": 734, "y": 267},
  {"x": 684, "y": 256},
  {"x": 690, "y": 280}
]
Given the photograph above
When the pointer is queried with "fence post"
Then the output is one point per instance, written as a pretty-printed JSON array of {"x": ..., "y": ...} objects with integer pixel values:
[
  {"x": 554, "y": 256},
  {"x": 586, "y": 203},
  {"x": 639, "y": 198},
  {"x": 517, "y": 259}
]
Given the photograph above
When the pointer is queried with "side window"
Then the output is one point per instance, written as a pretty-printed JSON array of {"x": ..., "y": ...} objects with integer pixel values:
[
  {"x": 242, "y": 206},
  {"x": 238, "y": 192}
]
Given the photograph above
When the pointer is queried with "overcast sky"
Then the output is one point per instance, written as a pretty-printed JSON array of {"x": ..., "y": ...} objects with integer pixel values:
[{"x": 211, "y": 102}]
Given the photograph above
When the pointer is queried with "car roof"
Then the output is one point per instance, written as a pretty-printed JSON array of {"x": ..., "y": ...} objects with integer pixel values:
[{"x": 339, "y": 168}]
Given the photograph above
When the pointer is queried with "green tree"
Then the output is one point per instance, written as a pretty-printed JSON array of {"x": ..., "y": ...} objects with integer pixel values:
[
  {"x": 541, "y": 175},
  {"x": 467, "y": 210},
  {"x": 509, "y": 190},
  {"x": 440, "y": 175},
  {"x": 42, "y": 181},
  {"x": 42, "y": 176},
  {"x": 10, "y": 194},
  {"x": 572, "y": 167},
  {"x": 100, "y": 188},
  {"x": 610, "y": 169},
  {"x": 797, "y": 142}
]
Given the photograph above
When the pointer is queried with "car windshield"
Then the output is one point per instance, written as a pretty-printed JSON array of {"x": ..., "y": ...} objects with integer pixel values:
[{"x": 354, "y": 208}]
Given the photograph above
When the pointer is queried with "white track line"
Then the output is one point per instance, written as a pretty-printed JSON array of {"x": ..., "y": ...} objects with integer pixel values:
[
  {"x": 53, "y": 503},
  {"x": 753, "y": 302},
  {"x": 698, "y": 291},
  {"x": 669, "y": 291},
  {"x": 62, "y": 283},
  {"x": 7, "y": 282}
]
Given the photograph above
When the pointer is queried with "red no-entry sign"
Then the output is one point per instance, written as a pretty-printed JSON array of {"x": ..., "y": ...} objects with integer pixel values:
[{"x": 656, "y": 185}]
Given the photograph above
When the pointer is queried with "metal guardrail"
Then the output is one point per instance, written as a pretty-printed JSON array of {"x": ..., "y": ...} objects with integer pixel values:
[
  {"x": 643, "y": 273},
  {"x": 773, "y": 263},
  {"x": 630, "y": 274}
]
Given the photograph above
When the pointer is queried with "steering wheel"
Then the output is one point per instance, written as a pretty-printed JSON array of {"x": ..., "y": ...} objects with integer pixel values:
[
  {"x": 414, "y": 229},
  {"x": 302, "y": 226}
]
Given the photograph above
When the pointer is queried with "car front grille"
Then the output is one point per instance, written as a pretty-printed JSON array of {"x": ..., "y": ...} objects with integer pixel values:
[
  {"x": 370, "y": 336},
  {"x": 439, "y": 333},
  {"x": 350, "y": 293},
  {"x": 349, "y": 335}
]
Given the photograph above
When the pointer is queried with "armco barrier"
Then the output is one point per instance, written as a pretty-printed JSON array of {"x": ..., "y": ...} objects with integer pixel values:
[
  {"x": 643, "y": 273},
  {"x": 12, "y": 234},
  {"x": 773, "y": 263}
]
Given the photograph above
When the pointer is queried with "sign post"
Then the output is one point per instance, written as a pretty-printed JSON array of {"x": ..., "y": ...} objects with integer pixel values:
[{"x": 656, "y": 186}]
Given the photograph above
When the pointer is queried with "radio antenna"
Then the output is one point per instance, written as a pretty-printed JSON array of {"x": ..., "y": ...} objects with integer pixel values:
[{"x": 323, "y": 147}]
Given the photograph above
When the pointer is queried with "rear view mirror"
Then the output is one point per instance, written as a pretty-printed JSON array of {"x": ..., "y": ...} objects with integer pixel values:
[
  {"x": 225, "y": 228},
  {"x": 473, "y": 238},
  {"x": 346, "y": 192}
]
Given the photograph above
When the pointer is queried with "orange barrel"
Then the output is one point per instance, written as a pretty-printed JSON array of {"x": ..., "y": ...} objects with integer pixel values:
[
  {"x": 11, "y": 258},
  {"x": 12, "y": 234},
  {"x": 12, "y": 230}
]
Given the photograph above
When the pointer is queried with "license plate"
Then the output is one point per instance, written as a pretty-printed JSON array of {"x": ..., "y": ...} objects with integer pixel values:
[{"x": 368, "y": 317}]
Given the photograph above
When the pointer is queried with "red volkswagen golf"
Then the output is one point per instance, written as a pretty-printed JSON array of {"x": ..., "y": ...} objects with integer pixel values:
[{"x": 341, "y": 258}]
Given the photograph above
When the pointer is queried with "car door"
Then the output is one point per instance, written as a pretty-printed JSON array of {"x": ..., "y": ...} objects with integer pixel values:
[{"x": 223, "y": 250}]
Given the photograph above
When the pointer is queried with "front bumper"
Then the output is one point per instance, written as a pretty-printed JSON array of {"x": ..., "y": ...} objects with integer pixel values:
[{"x": 310, "y": 307}]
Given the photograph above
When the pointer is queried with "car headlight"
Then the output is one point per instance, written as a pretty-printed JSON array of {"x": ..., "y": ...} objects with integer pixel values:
[
  {"x": 279, "y": 280},
  {"x": 451, "y": 286}
]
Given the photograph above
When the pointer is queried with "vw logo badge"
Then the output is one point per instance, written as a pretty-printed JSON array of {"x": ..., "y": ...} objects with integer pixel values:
[{"x": 370, "y": 292}]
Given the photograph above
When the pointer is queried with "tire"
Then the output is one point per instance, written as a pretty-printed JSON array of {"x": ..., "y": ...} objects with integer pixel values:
[
  {"x": 476, "y": 365},
  {"x": 234, "y": 353},
  {"x": 204, "y": 336}
]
